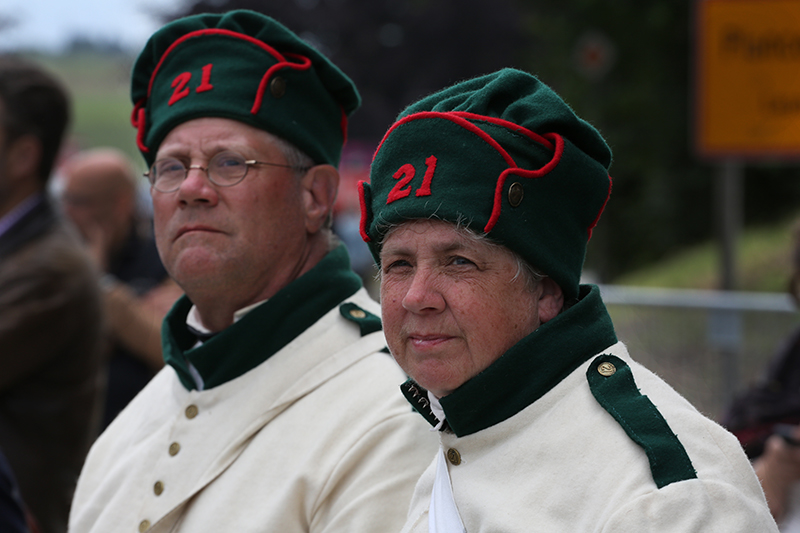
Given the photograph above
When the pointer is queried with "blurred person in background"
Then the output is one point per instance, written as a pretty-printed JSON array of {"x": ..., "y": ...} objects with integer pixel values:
[
  {"x": 52, "y": 378},
  {"x": 481, "y": 202},
  {"x": 277, "y": 408},
  {"x": 766, "y": 418},
  {"x": 98, "y": 191}
]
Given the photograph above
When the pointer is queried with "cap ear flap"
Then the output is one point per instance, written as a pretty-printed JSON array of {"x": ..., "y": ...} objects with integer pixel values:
[{"x": 365, "y": 199}]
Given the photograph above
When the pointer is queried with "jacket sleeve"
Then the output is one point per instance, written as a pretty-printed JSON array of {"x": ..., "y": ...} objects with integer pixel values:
[
  {"x": 693, "y": 506},
  {"x": 48, "y": 301}
]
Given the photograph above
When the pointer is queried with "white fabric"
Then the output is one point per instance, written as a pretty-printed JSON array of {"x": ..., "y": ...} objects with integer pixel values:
[
  {"x": 316, "y": 439},
  {"x": 443, "y": 514},
  {"x": 564, "y": 464},
  {"x": 436, "y": 408}
]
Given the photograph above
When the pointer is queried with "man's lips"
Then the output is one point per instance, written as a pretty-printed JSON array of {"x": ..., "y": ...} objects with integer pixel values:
[{"x": 195, "y": 228}]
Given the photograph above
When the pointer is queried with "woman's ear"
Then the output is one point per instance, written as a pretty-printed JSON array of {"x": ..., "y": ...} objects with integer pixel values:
[
  {"x": 551, "y": 300},
  {"x": 320, "y": 185}
]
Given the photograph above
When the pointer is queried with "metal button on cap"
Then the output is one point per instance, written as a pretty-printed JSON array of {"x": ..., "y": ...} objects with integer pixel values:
[
  {"x": 515, "y": 194},
  {"x": 358, "y": 313},
  {"x": 158, "y": 488},
  {"x": 191, "y": 411},
  {"x": 606, "y": 369},
  {"x": 144, "y": 525},
  {"x": 277, "y": 86},
  {"x": 174, "y": 448},
  {"x": 454, "y": 456}
]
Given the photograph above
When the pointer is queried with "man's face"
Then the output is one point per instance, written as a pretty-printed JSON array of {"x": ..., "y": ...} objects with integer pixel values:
[
  {"x": 242, "y": 242},
  {"x": 451, "y": 304}
]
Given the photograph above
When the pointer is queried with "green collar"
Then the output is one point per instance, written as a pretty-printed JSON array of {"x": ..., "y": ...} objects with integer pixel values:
[
  {"x": 261, "y": 332},
  {"x": 528, "y": 370}
]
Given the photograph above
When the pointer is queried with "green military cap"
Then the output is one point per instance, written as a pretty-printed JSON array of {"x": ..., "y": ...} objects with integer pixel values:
[
  {"x": 243, "y": 66},
  {"x": 502, "y": 154}
]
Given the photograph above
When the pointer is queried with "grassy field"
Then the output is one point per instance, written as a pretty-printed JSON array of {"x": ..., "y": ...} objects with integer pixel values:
[
  {"x": 99, "y": 84},
  {"x": 763, "y": 263}
]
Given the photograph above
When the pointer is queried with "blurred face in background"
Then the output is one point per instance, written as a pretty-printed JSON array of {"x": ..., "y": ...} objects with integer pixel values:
[{"x": 99, "y": 194}]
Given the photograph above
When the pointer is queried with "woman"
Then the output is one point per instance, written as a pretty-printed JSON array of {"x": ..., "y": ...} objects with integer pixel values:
[{"x": 481, "y": 203}]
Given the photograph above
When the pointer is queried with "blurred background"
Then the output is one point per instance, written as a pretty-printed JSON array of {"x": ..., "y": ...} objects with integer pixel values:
[{"x": 628, "y": 66}]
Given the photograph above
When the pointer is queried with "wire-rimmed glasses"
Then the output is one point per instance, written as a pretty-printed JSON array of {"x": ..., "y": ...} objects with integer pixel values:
[{"x": 225, "y": 169}]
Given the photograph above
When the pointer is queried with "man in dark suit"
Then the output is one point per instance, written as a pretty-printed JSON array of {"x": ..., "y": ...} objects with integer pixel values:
[{"x": 50, "y": 318}]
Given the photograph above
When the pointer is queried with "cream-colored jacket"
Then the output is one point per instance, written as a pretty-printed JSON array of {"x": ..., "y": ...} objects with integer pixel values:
[
  {"x": 316, "y": 438},
  {"x": 564, "y": 464}
]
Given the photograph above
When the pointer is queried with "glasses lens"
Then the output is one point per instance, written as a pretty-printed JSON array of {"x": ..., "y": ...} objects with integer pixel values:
[
  {"x": 167, "y": 174},
  {"x": 227, "y": 168}
]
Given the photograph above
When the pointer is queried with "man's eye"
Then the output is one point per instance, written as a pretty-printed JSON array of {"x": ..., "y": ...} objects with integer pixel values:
[
  {"x": 229, "y": 161},
  {"x": 170, "y": 166}
]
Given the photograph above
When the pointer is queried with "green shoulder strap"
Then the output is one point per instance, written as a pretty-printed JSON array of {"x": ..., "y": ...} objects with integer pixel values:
[{"x": 612, "y": 384}]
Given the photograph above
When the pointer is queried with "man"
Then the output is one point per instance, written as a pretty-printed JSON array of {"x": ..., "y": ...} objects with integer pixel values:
[
  {"x": 50, "y": 318},
  {"x": 98, "y": 190},
  {"x": 482, "y": 199},
  {"x": 276, "y": 411}
]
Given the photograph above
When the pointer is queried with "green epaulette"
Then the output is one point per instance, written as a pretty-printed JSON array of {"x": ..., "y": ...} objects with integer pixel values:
[
  {"x": 612, "y": 384},
  {"x": 367, "y": 322}
]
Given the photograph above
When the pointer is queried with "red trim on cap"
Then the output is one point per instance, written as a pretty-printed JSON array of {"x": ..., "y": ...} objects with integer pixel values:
[
  {"x": 456, "y": 119},
  {"x": 303, "y": 64},
  {"x": 558, "y": 141},
  {"x": 508, "y": 125},
  {"x": 209, "y": 32},
  {"x": 138, "y": 120},
  {"x": 602, "y": 208},
  {"x": 362, "y": 226}
]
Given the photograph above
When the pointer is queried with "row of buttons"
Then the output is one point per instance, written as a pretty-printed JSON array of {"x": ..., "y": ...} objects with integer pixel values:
[{"x": 174, "y": 448}]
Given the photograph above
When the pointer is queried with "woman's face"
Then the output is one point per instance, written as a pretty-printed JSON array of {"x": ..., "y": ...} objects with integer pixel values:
[{"x": 453, "y": 304}]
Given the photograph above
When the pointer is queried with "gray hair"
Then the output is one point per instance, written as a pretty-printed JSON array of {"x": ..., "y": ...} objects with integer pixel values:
[{"x": 301, "y": 163}]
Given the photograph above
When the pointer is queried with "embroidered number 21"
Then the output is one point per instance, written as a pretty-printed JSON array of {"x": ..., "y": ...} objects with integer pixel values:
[
  {"x": 405, "y": 174},
  {"x": 182, "y": 80}
]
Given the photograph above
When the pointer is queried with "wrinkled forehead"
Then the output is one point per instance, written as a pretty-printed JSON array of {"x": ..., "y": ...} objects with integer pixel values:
[{"x": 439, "y": 235}]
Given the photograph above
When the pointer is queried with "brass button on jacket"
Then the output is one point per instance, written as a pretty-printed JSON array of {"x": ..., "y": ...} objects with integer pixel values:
[
  {"x": 191, "y": 411},
  {"x": 174, "y": 448},
  {"x": 158, "y": 488},
  {"x": 606, "y": 369},
  {"x": 454, "y": 456},
  {"x": 144, "y": 525}
]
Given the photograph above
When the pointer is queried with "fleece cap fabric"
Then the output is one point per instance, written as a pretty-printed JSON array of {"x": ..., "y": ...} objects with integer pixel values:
[
  {"x": 244, "y": 66},
  {"x": 502, "y": 154}
]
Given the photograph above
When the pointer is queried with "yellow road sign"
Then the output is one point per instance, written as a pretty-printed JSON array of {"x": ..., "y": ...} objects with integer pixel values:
[{"x": 748, "y": 78}]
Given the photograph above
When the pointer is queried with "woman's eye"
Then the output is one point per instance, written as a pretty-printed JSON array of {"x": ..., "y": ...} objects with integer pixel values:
[
  {"x": 461, "y": 261},
  {"x": 399, "y": 263}
]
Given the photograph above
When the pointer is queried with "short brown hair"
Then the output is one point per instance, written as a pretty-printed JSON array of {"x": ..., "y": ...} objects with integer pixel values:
[{"x": 33, "y": 103}]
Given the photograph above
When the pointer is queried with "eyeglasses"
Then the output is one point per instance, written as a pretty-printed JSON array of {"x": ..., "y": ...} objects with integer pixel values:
[{"x": 225, "y": 169}]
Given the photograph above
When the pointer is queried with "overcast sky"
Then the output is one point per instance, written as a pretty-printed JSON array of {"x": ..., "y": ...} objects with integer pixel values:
[{"x": 48, "y": 25}]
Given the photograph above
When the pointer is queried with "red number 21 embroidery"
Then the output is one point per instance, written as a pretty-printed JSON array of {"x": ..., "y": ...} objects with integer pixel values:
[
  {"x": 405, "y": 174},
  {"x": 182, "y": 80}
]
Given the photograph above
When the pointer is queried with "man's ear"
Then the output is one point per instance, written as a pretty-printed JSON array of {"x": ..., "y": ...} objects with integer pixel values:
[
  {"x": 320, "y": 185},
  {"x": 23, "y": 157},
  {"x": 550, "y": 301}
]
